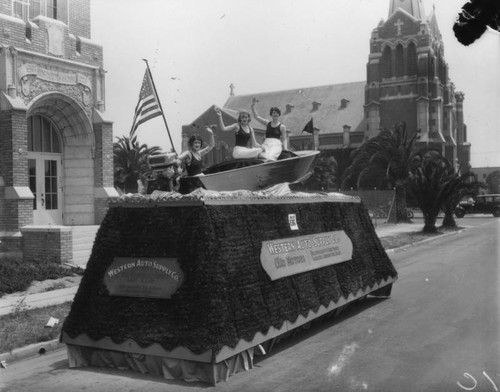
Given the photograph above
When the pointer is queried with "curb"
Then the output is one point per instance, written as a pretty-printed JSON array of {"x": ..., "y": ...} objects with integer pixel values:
[
  {"x": 404, "y": 247},
  {"x": 31, "y": 351}
]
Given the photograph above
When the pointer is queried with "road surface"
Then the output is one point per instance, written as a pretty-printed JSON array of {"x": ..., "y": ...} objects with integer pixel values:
[{"x": 438, "y": 332}]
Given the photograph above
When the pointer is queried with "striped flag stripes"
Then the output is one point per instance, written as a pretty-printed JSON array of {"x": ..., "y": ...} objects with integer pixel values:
[{"x": 148, "y": 106}]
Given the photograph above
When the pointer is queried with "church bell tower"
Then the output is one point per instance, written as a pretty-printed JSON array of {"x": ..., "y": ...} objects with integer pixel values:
[{"x": 407, "y": 79}]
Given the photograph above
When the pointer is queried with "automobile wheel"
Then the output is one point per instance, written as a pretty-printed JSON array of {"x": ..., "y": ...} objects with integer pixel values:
[
  {"x": 409, "y": 213},
  {"x": 459, "y": 213},
  {"x": 496, "y": 212}
]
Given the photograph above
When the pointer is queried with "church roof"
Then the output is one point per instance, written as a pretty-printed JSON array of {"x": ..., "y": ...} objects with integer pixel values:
[{"x": 331, "y": 106}]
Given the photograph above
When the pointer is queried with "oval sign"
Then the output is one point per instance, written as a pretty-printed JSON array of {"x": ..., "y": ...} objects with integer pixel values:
[{"x": 144, "y": 277}]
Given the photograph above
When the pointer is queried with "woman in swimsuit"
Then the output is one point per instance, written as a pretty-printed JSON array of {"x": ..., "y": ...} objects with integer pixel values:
[
  {"x": 244, "y": 134},
  {"x": 275, "y": 133},
  {"x": 192, "y": 157}
]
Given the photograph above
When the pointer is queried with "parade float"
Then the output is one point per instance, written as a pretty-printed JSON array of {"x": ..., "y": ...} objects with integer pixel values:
[{"x": 187, "y": 286}]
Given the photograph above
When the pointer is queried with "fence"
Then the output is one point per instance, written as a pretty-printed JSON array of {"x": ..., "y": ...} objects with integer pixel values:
[{"x": 378, "y": 203}]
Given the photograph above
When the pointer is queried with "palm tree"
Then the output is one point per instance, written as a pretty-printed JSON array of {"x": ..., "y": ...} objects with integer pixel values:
[
  {"x": 493, "y": 182},
  {"x": 427, "y": 185},
  {"x": 390, "y": 156},
  {"x": 324, "y": 176},
  {"x": 456, "y": 186},
  {"x": 130, "y": 161}
]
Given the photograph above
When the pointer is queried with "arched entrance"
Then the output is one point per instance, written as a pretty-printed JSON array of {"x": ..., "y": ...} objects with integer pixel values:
[{"x": 60, "y": 161}]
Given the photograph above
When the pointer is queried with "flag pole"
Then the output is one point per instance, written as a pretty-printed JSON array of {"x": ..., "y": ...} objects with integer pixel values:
[{"x": 159, "y": 103}]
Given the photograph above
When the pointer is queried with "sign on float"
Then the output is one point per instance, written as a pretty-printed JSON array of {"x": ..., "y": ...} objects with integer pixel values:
[
  {"x": 290, "y": 256},
  {"x": 143, "y": 277}
]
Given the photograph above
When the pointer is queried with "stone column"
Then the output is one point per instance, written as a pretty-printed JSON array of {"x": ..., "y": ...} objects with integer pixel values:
[
  {"x": 346, "y": 136},
  {"x": 17, "y": 208},
  {"x": 103, "y": 165}
]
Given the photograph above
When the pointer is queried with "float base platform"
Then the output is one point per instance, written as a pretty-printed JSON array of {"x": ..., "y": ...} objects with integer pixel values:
[{"x": 228, "y": 302}]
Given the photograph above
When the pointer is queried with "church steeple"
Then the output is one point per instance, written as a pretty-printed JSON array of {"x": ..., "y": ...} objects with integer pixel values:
[{"x": 414, "y": 7}]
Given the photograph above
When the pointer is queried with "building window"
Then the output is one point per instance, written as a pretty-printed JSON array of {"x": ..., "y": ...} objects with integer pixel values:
[
  {"x": 58, "y": 9},
  {"x": 78, "y": 45},
  {"x": 412, "y": 59},
  {"x": 35, "y": 8},
  {"x": 28, "y": 32},
  {"x": 28, "y": 10},
  {"x": 399, "y": 61},
  {"x": 20, "y": 9},
  {"x": 50, "y": 172},
  {"x": 32, "y": 178},
  {"x": 386, "y": 63},
  {"x": 42, "y": 135}
]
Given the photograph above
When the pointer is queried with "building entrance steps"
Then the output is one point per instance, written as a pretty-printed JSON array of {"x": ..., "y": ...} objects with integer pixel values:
[{"x": 83, "y": 240}]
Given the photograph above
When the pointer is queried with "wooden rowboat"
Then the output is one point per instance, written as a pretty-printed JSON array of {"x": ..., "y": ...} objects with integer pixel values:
[{"x": 253, "y": 174}]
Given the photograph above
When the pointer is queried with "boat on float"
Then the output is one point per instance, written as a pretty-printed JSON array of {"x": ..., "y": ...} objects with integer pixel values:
[
  {"x": 253, "y": 174},
  {"x": 235, "y": 174}
]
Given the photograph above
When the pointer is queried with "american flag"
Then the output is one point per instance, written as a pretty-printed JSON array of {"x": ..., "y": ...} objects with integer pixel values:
[{"x": 148, "y": 106}]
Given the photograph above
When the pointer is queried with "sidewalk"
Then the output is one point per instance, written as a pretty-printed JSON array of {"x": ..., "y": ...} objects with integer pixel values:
[
  {"x": 391, "y": 229},
  {"x": 9, "y": 303}
]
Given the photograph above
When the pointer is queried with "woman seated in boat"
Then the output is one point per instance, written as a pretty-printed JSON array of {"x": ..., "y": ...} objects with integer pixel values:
[
  {"x": 244, "y": 134},
  {"x": 275, "y": 133},
  {"x": 192, "y": 157}
]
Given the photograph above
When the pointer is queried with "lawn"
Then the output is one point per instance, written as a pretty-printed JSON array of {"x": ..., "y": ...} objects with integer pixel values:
[
  {"x": 27, "y": 326},
  {"x": 397, "y": 241}
]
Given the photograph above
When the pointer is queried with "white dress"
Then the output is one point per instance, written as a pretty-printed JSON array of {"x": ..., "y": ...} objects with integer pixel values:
[
  {"x": 240, "y": 151},
  {"x": 272, "y": 148},
  {"x": 246, "y": 152}
]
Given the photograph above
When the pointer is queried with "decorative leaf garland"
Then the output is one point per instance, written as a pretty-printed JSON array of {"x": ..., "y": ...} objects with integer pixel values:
[{"x": 226, "y": 295}]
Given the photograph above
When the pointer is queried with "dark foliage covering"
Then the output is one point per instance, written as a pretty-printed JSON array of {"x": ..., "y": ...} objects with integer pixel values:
[
  {"x": 226, "y": 295},
  {"x": 17, "y": 274}
]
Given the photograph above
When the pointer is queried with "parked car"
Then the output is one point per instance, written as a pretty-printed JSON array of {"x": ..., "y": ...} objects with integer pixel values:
[{"x": 482, "y": 204}]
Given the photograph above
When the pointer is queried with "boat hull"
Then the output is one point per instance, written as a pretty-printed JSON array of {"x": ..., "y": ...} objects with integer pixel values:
[{"x": 256, "y": 177}]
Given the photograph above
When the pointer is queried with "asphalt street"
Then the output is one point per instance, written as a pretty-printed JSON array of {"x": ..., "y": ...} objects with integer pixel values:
[{"x": 439, "y": 331}]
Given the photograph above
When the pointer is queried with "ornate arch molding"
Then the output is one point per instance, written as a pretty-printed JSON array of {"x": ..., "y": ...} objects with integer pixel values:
[
  {"x": 67, "y": 115},
  {"x": 393, "y": 44}
]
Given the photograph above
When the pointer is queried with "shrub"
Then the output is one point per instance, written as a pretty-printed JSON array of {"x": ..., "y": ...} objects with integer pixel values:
[{"x": 17, "y": 275}]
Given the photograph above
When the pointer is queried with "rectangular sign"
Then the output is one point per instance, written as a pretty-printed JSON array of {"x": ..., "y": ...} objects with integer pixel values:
[
  {"x": 292, "y": 219},
  {"x": 290, "y": 256},
  {"x": 144, "y": 277}
]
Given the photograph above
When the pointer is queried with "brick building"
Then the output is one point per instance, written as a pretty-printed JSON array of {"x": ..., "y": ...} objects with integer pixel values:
[
  {"x": 56, "y": 160},
  {"x": 407, "y": 80}
]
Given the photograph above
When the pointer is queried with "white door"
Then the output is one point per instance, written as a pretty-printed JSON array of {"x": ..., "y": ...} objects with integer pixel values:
[{"x": 45, "y": 179}]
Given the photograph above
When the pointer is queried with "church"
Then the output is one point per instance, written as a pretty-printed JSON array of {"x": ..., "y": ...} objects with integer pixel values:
[
  {"x": 407, "y": 80},
  {"x": 56, "y": 145}
]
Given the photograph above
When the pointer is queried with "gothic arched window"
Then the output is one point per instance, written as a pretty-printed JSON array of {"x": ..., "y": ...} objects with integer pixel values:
[
  {"x": 387, "y": 63},
  {"x": 412, "y": 59},
  {"x": 399, "y": 61}
]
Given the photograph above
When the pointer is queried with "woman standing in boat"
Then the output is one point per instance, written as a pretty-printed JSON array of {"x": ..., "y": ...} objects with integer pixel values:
[
  {"x": 275, "y": 133},
  {"x": 244, "y": 134},
  {"x": 192, "y": 157}
]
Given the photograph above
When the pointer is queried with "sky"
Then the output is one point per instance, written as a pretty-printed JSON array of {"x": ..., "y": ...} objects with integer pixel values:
[{"x": 197, "y": 48}]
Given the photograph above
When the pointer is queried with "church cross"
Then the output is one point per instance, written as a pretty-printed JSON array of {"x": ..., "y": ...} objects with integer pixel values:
[{"x": 398, "y": 24}]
